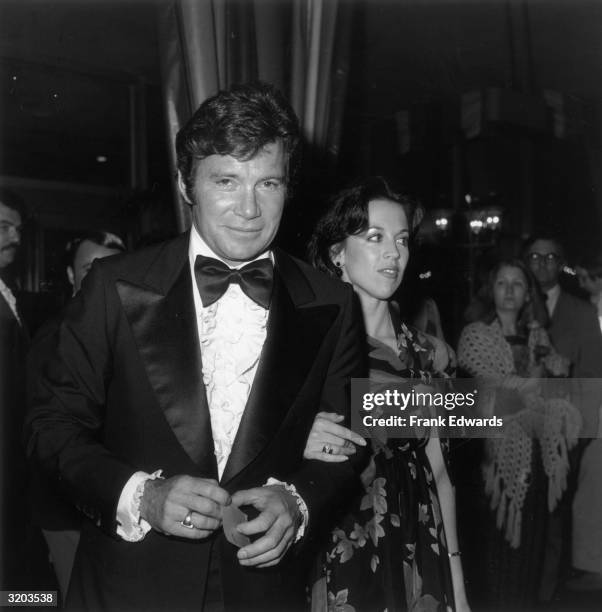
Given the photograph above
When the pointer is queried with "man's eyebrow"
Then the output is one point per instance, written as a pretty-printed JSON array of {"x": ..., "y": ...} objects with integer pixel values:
[
  {"x": 229, "y": 174},
  {"x": 233, "y": 174}
]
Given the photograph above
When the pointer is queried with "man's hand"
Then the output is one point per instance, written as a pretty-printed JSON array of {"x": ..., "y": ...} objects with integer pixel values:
[
  {"x": 166, "y": 503},
  {"x": 278, "y": 520}
]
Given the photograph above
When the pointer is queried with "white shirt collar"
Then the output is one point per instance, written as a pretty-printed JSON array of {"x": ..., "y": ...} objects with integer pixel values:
[
  {"x": 9, "y": 297},
  {"x": 553, "y": 295},
  {"x": 198, "y": 246}
]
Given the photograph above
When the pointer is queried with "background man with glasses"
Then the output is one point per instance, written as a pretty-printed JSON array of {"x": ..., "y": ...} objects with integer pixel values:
[
  {"x": 574, "y": 328},
  {"x": 575, "y": 333}
]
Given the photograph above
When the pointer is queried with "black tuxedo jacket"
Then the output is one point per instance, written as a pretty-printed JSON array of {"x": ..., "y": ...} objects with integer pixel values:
[
  {"x": 575, "y": 333},
  {"x": 14, "y": 341},
  {"x": 50, "y": 509},
  {"x": 123, "y": 392}
]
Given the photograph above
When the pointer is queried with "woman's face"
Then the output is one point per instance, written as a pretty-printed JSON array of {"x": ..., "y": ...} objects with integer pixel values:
[
  {"x": 375, "y": 260},
  {"x": 510, "y": 290}
]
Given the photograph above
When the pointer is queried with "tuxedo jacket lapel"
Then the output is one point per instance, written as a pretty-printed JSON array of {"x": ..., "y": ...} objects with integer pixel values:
[
  {"x": 560, "y": 313},
  {"x": 160, "y": 311},
  {"x": 6, "y": 314},
  {"x": 295, "y": 332},
  {"x": 161, "y": 314},
  {"x": 8, "y": 319},
  {"x": 561, "y": 324}
]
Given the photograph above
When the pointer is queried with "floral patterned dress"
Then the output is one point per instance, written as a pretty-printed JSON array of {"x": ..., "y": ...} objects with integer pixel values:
[{"x": 389, "y": 552}]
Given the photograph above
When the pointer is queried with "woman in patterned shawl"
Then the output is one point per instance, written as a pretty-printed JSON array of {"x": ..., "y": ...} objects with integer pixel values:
[
  {"x": 396, "y": 547},
  {"x": 523, "y": 471}
]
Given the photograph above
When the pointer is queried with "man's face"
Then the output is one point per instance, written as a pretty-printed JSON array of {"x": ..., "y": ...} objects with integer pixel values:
[
  {"x": 237, "y": 205},
  {"x": 10, "y": 234},
  {"x": 545, "y": 260},
  {"x": 86, "y": 253}
]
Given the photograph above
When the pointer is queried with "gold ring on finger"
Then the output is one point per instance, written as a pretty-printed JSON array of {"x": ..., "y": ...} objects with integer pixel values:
[{"x": 187, "y": 522}]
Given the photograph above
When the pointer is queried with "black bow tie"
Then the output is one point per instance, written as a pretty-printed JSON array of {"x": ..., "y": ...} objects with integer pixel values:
[{"x": 213, "y": 277}]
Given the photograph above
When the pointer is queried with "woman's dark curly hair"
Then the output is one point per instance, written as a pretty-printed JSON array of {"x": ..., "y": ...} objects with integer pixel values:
[{"x": 347, "y": 215}]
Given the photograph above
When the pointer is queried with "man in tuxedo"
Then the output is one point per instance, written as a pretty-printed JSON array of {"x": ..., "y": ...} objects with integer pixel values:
[
  {"x": 14, "y": 340},
  {"x": 185, "y": 381},
  {"x": 57, "y": 517},
  {"x": 575, "y": 333}
]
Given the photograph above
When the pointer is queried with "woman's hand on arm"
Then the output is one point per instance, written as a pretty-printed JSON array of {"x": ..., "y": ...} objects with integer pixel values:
[{"x": 330, "y": 442}]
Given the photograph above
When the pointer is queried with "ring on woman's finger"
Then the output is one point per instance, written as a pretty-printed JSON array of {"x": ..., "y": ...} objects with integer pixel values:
[
  {"x": 327, "y": 449},
  {"x": 187, "y": 522}
]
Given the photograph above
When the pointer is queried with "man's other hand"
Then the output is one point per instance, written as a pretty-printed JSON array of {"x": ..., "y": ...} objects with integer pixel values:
[
  {"x": 278, "y": 521},
  {"x": 165, "y": 504}
]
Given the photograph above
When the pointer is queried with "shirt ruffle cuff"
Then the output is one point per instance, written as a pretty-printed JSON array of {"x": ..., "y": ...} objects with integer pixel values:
[
  {"x": 131, "y": 527},
  {"x": 300, "y": 504}
]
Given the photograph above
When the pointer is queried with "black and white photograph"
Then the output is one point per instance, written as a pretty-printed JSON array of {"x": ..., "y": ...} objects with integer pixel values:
[{"x": 240, "y": 242}]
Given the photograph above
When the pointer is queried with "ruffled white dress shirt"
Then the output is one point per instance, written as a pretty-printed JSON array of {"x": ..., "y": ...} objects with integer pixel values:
[{"x": 232, "y": 332}]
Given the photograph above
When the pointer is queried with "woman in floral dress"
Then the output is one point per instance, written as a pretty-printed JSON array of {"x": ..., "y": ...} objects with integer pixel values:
[{"x": 396, "y": 547}]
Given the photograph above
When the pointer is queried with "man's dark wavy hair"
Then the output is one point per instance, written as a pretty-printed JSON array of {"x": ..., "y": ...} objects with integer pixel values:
[
  {"x": 14, "y": 201},
  {"x": 238, "y": 122},
  {"x": 99, "y": 237},
  {"x": 549, "y": 235}
]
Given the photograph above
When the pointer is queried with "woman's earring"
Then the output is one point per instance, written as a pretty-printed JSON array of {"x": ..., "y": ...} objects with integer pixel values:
[{"x": 337, "y": 264}]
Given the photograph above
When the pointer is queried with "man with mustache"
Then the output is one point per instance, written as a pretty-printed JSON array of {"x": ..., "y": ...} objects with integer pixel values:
[
  {"x": 59, "y": 520},
  {"x": 14, "y": 339},
  {"x": 10, "y": 228}
]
